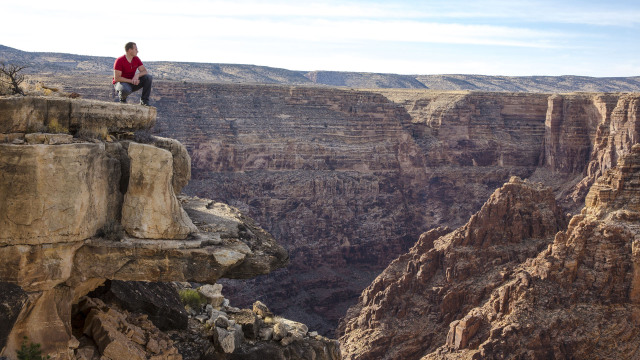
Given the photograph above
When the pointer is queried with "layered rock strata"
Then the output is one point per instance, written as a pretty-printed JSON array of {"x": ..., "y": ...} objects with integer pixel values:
[
  {"x": 406, "y": 312},
  {"x": 348, "y": 179},
  {"x": 391, "y": 166},
  {"x": 575, "y": 298},
  {"x": 62, "y": 202}
]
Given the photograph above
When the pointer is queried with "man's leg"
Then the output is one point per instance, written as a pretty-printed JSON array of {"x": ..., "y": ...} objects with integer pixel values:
[
  {"x": 123, "y": 90},
  {"x": 145, "y": 85},
  {"x": 145, "y": 81}
]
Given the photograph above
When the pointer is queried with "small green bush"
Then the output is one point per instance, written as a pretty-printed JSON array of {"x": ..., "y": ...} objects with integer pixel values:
[
  {"x": 30, "y": 352},
  {"x": 54, "y": 127},
  {"x": 192, "y": 298}
]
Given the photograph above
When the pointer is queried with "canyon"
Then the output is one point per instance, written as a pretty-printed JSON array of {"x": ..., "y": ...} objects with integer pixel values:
[
  {"x": 347, "y": 180},
  {"x": 363, "y": 188}
]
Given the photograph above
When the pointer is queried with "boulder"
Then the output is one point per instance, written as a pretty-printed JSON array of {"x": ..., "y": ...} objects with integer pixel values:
[
  {"x": 151, "y": 209},
  {"x": 227, "y": 340},
  {"x": 261, "y": 309},
  {"x": 213, "y": 293},
  {"x": 280, "y": 331},
  {"x": 249, "y": 321},
  {"x": 181, "y": 161}
]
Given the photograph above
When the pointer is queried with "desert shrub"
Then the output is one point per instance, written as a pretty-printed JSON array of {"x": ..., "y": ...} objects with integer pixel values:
[
  {"x": 192, "y": 298},
  {"x": 30, "y": 352},
  {"x": 11, "y": 75},
  {"x": 55, "y": 127},
  {"x": 112, "y": 230}
]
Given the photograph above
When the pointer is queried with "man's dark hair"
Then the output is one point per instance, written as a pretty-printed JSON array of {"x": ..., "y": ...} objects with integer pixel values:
[{"x": 129, "y": 45}]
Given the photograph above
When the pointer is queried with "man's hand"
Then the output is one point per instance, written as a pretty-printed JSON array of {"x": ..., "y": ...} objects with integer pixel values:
[{"x": 135, "y": 80}]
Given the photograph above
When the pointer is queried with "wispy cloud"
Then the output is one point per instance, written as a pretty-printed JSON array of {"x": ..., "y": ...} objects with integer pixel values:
[
  {"x": 343, "y": 31},
  {"x": 403, "y": 36},
  {"x": 611, "y": 13}
]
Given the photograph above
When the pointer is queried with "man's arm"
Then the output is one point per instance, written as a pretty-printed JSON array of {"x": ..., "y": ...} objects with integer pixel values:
[
  {"x": 117, "y": 75},
  {"x": 142, "y": 71}
]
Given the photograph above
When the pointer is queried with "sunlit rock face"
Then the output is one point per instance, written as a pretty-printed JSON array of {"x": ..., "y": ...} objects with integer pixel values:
[
  {"x": 62, "y": 200},
  {"x": 408, "y": 310}
]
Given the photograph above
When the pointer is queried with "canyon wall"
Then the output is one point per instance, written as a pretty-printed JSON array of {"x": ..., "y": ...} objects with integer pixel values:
[
  {"x": 503, "y": 286},
  {"x": 347, "y": 180}
]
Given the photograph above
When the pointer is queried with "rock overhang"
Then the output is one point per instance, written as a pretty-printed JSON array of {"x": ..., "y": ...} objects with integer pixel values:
[
  {"x": 52, "y": 192},
  {"x": 59, "y": 191},
  {"x": 25, "y": 114}
]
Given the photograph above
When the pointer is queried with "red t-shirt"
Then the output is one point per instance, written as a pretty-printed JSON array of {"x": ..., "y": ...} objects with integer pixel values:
[{"x": 128, "y": 68}]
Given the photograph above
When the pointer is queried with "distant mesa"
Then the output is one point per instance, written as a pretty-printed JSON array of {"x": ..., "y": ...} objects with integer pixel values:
[{"x": 66, "y": 64}]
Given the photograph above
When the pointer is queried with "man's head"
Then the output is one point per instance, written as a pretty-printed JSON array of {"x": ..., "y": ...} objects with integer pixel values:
[{"x": 131, "y": 48}]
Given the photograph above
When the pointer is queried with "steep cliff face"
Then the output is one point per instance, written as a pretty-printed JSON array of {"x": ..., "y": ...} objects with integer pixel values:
[
  {"x": 406, "y": 312},
  {"x": 579, "y": 297},
  {"x": 500, "y": 287},
  {"x": 62, "y": 198},
  {"x": 347, "y": 179},
  {"x": 342, "y": 177}
]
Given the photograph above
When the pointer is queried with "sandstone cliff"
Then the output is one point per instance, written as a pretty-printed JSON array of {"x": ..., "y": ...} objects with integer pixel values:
[
  {"x": 499, "y": 287},
  {"x": 66, "y": 185},
  {"x": 347, "y": 179}
]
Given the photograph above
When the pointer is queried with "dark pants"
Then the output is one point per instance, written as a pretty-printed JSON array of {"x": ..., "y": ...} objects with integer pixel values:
[{"x": 124, "y": 89}]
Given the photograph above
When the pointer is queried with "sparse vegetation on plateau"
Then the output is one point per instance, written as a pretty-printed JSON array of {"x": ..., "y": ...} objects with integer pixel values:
[{"x": 55, "y": 127}]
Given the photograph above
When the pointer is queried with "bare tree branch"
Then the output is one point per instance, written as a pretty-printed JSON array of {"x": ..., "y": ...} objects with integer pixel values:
[{"x": 10, "y": 75}]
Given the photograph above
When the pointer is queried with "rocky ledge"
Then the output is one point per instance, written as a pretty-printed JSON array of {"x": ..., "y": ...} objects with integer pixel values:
[
  {"x": 110, "y": 322},
  {"x": 83, "y": 200}
]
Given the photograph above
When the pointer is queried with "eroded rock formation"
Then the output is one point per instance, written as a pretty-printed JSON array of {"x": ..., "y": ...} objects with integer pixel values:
[
  {"x": 62, "y": 199},
  {"x": 574, "y": 297},
  {"x": 407, "y": 310},
  {"x": 347, "y": 180}
]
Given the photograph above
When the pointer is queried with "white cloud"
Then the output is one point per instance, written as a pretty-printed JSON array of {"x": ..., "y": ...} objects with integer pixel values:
[{"x": 397, "y": 36}]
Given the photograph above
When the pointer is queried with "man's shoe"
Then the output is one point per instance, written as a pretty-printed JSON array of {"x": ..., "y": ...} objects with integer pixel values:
[
  {"x": 143, "y": 103},
  {"x": 123, "y": 101}
]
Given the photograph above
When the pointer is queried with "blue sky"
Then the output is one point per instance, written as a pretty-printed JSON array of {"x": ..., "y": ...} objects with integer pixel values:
[{"x": 489, "y": 37}]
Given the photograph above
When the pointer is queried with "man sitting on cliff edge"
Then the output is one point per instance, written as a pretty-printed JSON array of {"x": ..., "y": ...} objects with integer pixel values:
[{"x": 129, "y": 75}]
